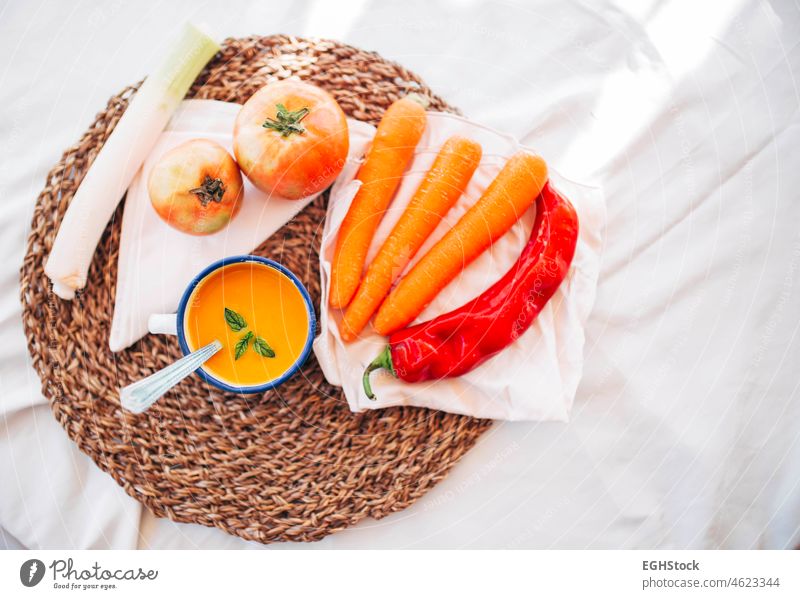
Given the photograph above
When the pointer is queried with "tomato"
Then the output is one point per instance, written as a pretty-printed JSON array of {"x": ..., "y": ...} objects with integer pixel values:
[
  {"x": 196, "y": 187},
  {"x": 291, "y": 139}
]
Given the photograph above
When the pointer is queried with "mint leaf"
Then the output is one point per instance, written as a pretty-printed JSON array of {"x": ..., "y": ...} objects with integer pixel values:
[
  {"x": 241, "y": 345},
  {"x": 262, "y": 348},
  {"x": 234, "y": 320}
]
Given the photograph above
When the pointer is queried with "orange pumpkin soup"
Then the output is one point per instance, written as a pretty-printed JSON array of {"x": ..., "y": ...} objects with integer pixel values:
[{"x": 257, "y": 313}]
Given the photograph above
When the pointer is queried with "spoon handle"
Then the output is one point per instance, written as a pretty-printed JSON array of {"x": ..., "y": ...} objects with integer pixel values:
[{"x": 139, "y": 396}]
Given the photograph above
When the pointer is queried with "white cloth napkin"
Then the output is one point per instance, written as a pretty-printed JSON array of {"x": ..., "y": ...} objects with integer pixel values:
[
  {"x": 535, "y": 378},
  {"x": 156, "y": 262}
]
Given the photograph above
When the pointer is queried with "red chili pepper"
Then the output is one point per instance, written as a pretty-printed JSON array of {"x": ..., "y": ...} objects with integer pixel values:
[{"x": 454, "y": 343}]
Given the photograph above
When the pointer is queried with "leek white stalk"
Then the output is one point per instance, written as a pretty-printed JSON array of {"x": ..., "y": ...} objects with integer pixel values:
[{"x": 121, "y": 157}]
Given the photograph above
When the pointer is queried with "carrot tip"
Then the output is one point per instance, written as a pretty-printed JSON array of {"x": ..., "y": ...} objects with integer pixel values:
[
  {"x": 421, "y": 100},
  {"x": 338, "y": 300}
]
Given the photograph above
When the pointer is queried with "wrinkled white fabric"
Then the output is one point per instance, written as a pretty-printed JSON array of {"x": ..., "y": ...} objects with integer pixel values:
[
  {"x": 684, "y": 428},
  {"x": 535, "y": 377}
]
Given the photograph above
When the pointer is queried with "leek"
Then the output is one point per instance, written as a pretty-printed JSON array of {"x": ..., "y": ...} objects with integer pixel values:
[{"x": 121, "y": 157}]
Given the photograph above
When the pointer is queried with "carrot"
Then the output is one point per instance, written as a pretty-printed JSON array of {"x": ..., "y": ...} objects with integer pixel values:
[
  {"x": 392, "y": 148},
  {"x": 440, "y": 189},
  {"x": 511, "y": 193}
]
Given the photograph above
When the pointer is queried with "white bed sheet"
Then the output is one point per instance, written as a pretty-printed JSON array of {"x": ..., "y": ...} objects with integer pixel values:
[{"x": 684, "y": 432}]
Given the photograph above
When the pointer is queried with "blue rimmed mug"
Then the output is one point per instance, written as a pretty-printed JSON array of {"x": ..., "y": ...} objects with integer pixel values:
[{"x": 175, "y": 324}]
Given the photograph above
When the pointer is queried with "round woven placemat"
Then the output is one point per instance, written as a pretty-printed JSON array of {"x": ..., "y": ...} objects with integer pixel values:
[{"x": 292, "y": 465}]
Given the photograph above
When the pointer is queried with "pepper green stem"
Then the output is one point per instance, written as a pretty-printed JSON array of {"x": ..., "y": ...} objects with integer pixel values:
[{"x": 384, "y": 360}]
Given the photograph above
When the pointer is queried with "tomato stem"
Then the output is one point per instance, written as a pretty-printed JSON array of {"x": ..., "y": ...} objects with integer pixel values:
[
  {"x": 210, "y": 190},
  {"x": 287, "y": 122}
]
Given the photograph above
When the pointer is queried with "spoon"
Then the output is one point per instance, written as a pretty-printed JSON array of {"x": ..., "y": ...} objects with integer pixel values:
[{"x": 139, "y": 396}]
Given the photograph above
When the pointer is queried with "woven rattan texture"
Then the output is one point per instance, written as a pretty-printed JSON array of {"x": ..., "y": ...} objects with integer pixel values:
[{"x": 291, "y": 465}]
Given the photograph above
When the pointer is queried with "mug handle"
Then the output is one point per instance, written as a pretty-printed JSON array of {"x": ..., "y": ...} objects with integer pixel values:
[{"x": 163, "y": 324}]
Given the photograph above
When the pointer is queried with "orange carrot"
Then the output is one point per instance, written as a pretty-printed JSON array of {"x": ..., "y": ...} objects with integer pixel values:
[
  {"x": 392, "y": 148},
  {"x": 440, "y": 189},
  {"x": 511, "y": 193}
]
